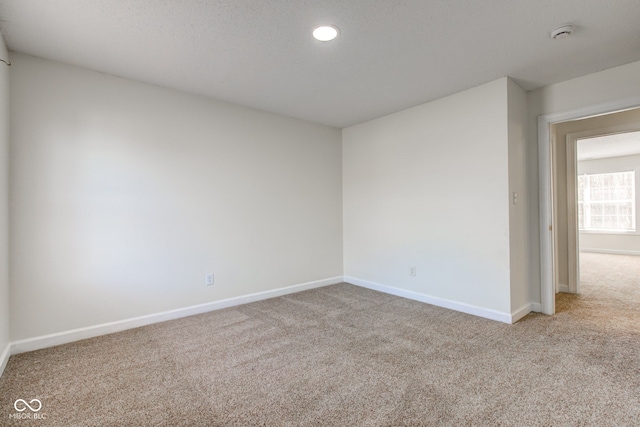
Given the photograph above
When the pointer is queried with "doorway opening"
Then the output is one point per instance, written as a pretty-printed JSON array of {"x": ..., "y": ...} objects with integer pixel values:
[
  {"x": 603, "y": 196},
  {"x": 560, "y": 212}
]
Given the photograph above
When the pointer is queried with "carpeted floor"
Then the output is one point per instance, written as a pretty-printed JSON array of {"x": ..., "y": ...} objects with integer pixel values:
[{"x": 347, "y": 356}]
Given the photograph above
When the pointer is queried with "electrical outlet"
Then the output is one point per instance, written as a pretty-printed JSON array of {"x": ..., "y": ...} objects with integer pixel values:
[
  {"x": 209, "y": 279},
  {"x": 412, "y": 270}
]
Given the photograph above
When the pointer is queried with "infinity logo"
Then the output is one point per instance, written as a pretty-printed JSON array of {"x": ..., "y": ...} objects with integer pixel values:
[{"x": 24, "y": 402}]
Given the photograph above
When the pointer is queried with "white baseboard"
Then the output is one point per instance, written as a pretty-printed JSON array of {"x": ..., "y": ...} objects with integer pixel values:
[
  {"x": 440, "y": 302},
  {"x": 4, "y": 358},
  {"x": 536, "y": 306},
  {"x": 610, "y": 251},
  {"x": 521, "y": 312},
  {"x": 563, "y": 288},
  {"x": 121, "y": 325}
]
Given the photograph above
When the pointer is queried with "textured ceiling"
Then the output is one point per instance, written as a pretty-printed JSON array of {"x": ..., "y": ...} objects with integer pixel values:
[
  {"x": 621, "y": 144},
  {"x": 391, "y": 54}
]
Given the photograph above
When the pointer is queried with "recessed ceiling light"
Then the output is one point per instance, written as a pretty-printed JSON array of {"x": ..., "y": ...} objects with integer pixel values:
[
  {"x": 325, "y": 33},
  {"x": 562, "y": 32}
]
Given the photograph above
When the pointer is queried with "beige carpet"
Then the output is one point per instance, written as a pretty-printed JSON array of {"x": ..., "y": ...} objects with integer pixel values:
[{"x": 347, "y": 356}]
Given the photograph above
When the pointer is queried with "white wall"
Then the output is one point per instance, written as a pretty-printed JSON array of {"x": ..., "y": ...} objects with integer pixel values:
[
  {"x": 612, "y": 242},
  {"x": 610, "y": 85},
  {"x": 429, "y": 187},
  {"x": 4, "y": 206},
  {"x": 519, "y": 246},
  {"x": 125, "y": 194}
]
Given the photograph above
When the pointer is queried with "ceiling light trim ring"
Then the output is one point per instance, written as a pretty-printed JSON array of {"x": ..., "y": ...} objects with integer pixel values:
[{"x": 325, "y": 33}]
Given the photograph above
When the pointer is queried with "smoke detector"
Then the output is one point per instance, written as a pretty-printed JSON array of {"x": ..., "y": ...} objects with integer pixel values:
[{"x": 562, "y": 32}]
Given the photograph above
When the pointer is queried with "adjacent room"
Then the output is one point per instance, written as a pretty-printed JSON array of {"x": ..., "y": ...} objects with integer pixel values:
[
  {"x": 607, "y": 183},
  {"x": 334, "y": 213}
]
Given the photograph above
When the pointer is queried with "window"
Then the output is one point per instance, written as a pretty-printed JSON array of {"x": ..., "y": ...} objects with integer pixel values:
[{"x": 607, "y": 201}]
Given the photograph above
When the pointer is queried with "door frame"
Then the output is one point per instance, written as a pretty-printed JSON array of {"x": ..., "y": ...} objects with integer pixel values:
[
  {"x": 545, "y": 189},
  {"x": 573, "y": 247},
  {"x": 572, "y": 197}
]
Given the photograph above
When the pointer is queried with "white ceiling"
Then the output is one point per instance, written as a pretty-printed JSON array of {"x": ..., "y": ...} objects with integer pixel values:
[
  {"x": 621, "y": 144},
  {"x": 391, "y": 54}
]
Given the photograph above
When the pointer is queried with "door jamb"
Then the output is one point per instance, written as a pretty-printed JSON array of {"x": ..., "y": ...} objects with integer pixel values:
[{"x": 572, "y": 212}]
